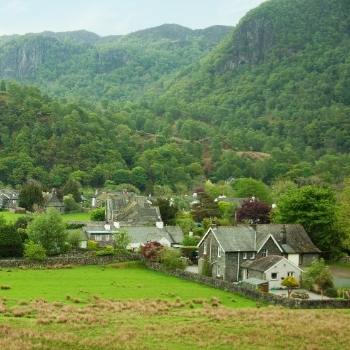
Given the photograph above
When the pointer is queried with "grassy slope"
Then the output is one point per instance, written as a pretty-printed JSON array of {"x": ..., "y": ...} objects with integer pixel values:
[
  {"x": 101, "y": 324},
  {"x": 106, "y": 282},
  {"x": 12, "y": 217}
]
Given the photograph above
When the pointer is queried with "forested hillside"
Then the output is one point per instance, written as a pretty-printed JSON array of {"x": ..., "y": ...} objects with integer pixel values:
[
  {"x": 271, "y": 101},
  {"x": 82, "y": 64},
  {"x": 280, "y": 84}
]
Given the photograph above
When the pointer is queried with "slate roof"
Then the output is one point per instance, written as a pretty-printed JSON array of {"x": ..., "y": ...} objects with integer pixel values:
[
  {"x": 235, "y": 238},
  {"x": 140, "y": 234},
  {"x": 262, "y": 264},
  {"x": 291, "y": 238}
]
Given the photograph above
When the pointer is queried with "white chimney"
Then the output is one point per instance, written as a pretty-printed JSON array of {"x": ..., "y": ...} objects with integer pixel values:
[
  {"x": 116, "y": 224},
  {"x": 160, "y": 224}
]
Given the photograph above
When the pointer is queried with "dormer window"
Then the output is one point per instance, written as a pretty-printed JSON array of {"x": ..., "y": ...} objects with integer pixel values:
[
  {"x": 264, "y": 253},
  {"x": 245, "y": 256},
  {"x": 252, "y": 256}
]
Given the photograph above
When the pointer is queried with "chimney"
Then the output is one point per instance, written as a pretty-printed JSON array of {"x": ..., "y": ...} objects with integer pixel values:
[
  {"x": 284, "y": 234},
  {"x": 160, "y": 224}
]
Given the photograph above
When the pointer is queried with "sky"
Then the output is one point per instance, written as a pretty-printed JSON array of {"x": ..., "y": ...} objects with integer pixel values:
[{"x": 107, "y": 17}]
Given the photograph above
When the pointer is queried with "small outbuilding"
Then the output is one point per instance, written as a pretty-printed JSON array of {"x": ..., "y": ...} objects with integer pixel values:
[{"x": 273, "y": 269}]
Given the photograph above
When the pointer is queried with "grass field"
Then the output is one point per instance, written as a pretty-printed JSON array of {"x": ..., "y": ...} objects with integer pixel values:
[
  {"x": 133, "y": 308},
  {"x": 106, "y": 282},
  {"x": 12, "y": 217}
]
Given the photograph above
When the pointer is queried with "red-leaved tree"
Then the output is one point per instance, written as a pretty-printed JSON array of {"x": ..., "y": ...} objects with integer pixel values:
[
  {"x": 254, "y": 211},
  {"x": 151, "y": 251}
]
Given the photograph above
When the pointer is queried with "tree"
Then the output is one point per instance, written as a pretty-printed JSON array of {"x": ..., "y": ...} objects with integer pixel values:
[
  {"x": 70, "y": 204},
  {"x": 151, "y": 251},
  {"x": 98, "y": 214},
  {"x": 248, "y": 188},
  {"x": 290, "y": 283},
  {"x": 72, "y": 187},
  {"x": 49, "y": 230},
  {"x": 343, "y": 215},
  {"x": 10, "y": 241},
  {"x": 254, "y": 211},
  {"x": 34, "y": 251},
  {"x": 168, "y": 210},
  {"x": 31, "y": 194},
  {"x": 319, "y": 275},
  {"x": 206, "y": 207},
  {"x": 121, "y": 242},
  {"x": 315, "y": 208}
]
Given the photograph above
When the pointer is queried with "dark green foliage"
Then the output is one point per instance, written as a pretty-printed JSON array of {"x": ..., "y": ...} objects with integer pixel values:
[
  {"x": 72, "y": 187},
  {"x": 248, "y": 188},
  {"x": 49, "y": 230},
  {"x": 31, "y": 196},
  {"x": 315, "y": 208},
  {"x": 10, "y": 241},
  {"x": 168, "y": 210},
  {"x": 205, "y": 208},
  {"x": 34, "y": 251},
  {"x": 98, "y": 214},
  {"x": 171, "y": 259}
]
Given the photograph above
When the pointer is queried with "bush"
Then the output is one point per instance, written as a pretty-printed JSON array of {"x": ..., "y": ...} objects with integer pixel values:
[
  {"x": 74, "y": 238},
  {"x": 10, "y": 241},
  {"x": 331, "y": 292},
  {"x": 70, "y": 205},
  {"x": 92, "y": 245},
  {"x": 189, "y": 241},
  {"x": 206, "y": 268},
  {"x": 49, "y": 230},
  {"x": 106, "y": 251},
  {"x": 121, "y": 242},
  {"x": 34, "y": 251},
  {"x": 98, "y": 215},
  {"x": 171, "y": 259},
  {"x": 151, "y": 251}
]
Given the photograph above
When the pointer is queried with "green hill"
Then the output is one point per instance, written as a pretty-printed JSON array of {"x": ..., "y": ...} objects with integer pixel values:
[{"x": 82, "y": 64}]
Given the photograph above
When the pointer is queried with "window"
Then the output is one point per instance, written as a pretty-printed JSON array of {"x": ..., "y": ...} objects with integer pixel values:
[
  {"x": 218, "y": 271},
  {"x": 264, "y": 252},
  {"x": 98, "y": 238},
  {"x": 290, "y": 274},
  {"x": 274, "y": 275},
  {"x": 205, "y": 248},
  {"x": 252, "y": 256},
  {"x": 219, "y": 252},
  {"x": 245, "y": 256}
]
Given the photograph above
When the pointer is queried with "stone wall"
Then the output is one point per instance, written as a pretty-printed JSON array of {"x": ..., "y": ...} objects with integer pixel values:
[
  {"x": 83, "y": 259},
  {"x": 255, "y": 294}
]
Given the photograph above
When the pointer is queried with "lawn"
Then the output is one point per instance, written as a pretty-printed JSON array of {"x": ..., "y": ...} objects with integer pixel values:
[
  {"x": 106, "y": 282},
  {"x": 134, "y": 308},
  {"x": 12, "y": 217}
]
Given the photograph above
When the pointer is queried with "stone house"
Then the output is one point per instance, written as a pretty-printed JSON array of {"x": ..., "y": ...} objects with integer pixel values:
[
  {"x": 8, "y": 199},
  {"x": 273, "y": 269},
  {"x": 103, "y": 234},
  {"x": 52, "y": 201},
  {"x": 225, "y": 249}
]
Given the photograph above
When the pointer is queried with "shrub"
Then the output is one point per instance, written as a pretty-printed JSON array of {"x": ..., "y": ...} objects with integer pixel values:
[
  {"x": 290, "y": 283},
  {"x": 319, "y": 275},
  {"x": 206, "y": 268},
  {"x": 70, "y": 205},
  {"x": 331, "y": 292},
  {"x": 151, "y": 251},
  {"x": 92, "y": 245},
  {"x": 49, "y": 230},
  {"x": 106, "y": 251},
  {"x": 74, "y": 238},
  {"x": 172, "y": 260},
  {"x": 34, "y": 251},
  {"x": 98, "y": 215},
  {"x": 121, "y": 242},
  {"x": 10, "y": 241},
  {"x": 189, "y": 241}
]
